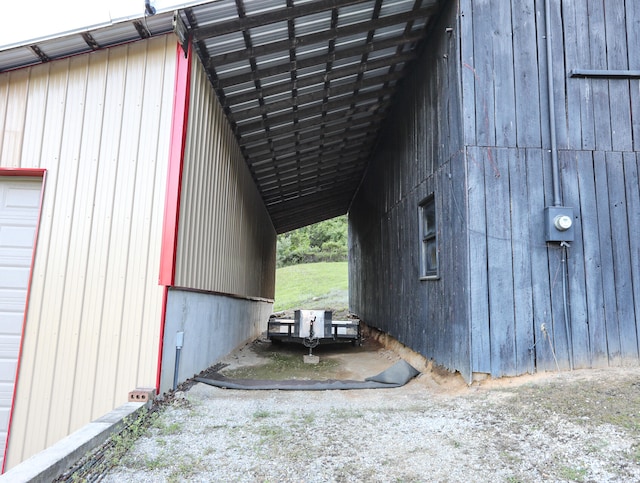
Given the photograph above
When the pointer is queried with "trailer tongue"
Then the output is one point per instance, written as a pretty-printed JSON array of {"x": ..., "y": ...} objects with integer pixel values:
[{"x": 313, "y": 327}]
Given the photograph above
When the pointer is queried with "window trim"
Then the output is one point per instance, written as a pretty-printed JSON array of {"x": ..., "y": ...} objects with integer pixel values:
[{"x": 425, "y": 238}]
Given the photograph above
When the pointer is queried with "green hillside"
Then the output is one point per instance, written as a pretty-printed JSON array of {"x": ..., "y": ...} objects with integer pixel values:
[{"x": 321, "y": 285}]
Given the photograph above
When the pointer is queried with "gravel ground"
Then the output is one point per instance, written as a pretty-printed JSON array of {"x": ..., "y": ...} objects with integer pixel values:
[{"x": 573, "y": 426}]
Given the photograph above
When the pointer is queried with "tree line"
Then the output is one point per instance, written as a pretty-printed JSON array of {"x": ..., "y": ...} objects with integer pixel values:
[{"x": 322, "y": 242}]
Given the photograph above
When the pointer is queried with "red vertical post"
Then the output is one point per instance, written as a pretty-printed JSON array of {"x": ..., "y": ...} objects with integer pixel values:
[{"x": 174, "y": 184}]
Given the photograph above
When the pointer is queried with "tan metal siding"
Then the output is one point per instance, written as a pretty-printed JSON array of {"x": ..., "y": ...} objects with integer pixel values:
[
  {"x": 226, "y": 241},
  {"x": 100, "y": 125}
]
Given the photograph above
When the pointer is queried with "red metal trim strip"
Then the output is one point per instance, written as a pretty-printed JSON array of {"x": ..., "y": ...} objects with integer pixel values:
[
  {"x": 181, "y": 97},
  {"x": 174, "y": 175},
  {"x": 31, "y": 172}
]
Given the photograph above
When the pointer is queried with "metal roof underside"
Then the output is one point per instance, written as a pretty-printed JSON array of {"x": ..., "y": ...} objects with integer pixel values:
[{"x": 305, "y": 85}]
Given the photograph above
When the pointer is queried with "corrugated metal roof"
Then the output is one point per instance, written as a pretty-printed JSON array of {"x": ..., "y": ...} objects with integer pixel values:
[
  {"x": 85, "y": 40},
  {"x": 305, "y": 85}
]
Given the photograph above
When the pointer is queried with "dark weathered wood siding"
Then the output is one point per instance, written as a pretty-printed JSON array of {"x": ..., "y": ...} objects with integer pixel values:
[
  {"x": 473, "y": 127},
  {"x": 419, "y": 153},
  {"x": 516, "y": 279}
]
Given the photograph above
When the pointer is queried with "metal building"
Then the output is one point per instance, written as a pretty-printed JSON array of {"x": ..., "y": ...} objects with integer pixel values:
[
  {"x": 148, "y": 223},
  {"x": 486, "y": 152}
]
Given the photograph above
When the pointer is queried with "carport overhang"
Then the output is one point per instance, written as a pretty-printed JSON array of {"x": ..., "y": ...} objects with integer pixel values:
[{"x": 305, "y": 85}]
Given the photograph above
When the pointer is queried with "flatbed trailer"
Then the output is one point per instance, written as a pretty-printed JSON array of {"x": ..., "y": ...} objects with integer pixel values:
[{"x": 313, "y": 327}]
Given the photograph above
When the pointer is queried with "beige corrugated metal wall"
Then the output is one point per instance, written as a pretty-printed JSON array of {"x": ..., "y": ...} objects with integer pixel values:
[
  {"x": 226, "y": 240},
  {"x": 100, "y": 124}
]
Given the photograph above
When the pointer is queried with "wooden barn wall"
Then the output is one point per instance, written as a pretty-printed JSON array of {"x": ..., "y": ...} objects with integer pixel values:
[
  {"x": 516, "y": 282},
  {"x": 226, "y": 241},
  {"x": 100, "y": 125},
  {"x": 419, "y": 154}
]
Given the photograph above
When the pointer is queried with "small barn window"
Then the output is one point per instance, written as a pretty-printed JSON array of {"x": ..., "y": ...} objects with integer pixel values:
[{"x": 428, "y": 239}]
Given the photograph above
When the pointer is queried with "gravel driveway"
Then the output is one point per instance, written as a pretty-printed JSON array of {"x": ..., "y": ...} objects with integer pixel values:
[{"x": 572, "y": 426}]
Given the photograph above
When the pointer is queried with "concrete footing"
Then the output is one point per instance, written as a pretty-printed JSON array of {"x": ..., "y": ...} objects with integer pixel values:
[
  {"x": 310, "y": 359},
  {"x": 50, "y": 463}
]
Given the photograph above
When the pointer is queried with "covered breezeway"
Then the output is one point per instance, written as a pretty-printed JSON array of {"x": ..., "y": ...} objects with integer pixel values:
[
  {"x": 477, "y": 91},
  {"x": 305, "y": 85}
]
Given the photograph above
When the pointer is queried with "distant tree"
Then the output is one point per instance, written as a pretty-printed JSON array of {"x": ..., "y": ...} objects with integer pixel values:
[{"x": 324, "y": 241}]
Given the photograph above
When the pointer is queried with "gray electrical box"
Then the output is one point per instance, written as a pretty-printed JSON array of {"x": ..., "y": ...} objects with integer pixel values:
[{"x": 558, "y": 224}]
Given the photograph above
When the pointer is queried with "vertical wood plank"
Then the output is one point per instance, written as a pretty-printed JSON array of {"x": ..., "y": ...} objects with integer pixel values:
[
  {"x": 633, "y": 47},
  {"x": 500, "y": 268},
  {"x": 525, "y": 62},
  {"x": 606, "y": 252},
  {"x": 483, "y": 66},
  {"x": 576, "y": 290},
  {"x": 571, "y": 50},
  {"x": 503, "y": 74},
  {"x": 477, "y": 262},
  {"x": 446, "y": 252},
  {"x": 583, "y": 59},
  {"x": 632, "y": 186},
  {"x": 456, "y": 181},
  {"x": 468, "y": 72},
  {"x": 542, "y": 73},
  {"x": 600, "y": 97},
  {"x": 560, "y": 330},
  {"x": 536, "y": 165},
  {"x": 621, "y": 259},
  {"x": 521, "y": 249},
  {"x": 559, "y": 74},
  {"x": 616, "y": 42},
  {"x": 453, "y": 107},
  {"x": 592, "y": 261}
]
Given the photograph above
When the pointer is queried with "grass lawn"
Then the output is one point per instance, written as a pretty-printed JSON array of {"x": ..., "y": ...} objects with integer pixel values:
[{"x": 312, "y": 286}]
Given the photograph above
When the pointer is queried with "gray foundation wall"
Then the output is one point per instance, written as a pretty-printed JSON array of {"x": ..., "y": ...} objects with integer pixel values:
[{"x": 213, "y": 325}]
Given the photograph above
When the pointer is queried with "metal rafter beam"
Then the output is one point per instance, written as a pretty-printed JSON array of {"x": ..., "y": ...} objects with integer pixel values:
[
  {"x": 329, "y": 123},
  {"x": 347, "y": 154},
  {"x": 320, "y": 37},
  {"x": 274, "y": 16},
  {"x": 322, "y": 76},
  {"x": 338, "y": 140},
  {"x": 309, "y": 180},
  {"x": 295, "y": 176},
  {"x": 314, "y": 96},
  {"x": 312, "y": 111},
  {"x": 251, "y": 135},
  {"x": 319, "y": 60}
]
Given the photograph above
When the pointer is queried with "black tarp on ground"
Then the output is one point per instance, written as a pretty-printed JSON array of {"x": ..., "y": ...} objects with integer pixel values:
[{"x": 395, "y": 376}]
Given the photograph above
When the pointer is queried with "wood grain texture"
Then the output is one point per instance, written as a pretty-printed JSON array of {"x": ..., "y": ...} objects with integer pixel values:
[
  {"x": 499, "y": 263},
  {"x": 594, "y": 286},
  {"x": 606, "y": 252},
  {"x": 521, "y": 263},
  {"x": 537, "y": 164},
  {"x": 632, "y": 192},
  {"x": 525, "y": 64},
  {"x": 529, "y": 305},
  {"x": 623, "y": 290},
  {"x": 575, "y": 269},
  {"x": 419, "y": 153},
  {"x": 478, "y": 298},
  {"x": 617, "y": 58}
]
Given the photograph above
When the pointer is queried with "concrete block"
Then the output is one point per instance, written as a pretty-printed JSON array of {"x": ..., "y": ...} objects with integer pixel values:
[
  {"x": 310, "y": 359},
  {"x": 142, "y": 394}
]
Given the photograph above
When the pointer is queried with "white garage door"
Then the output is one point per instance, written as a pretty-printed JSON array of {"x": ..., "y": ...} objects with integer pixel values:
[{"x": 19, "y": 206}]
